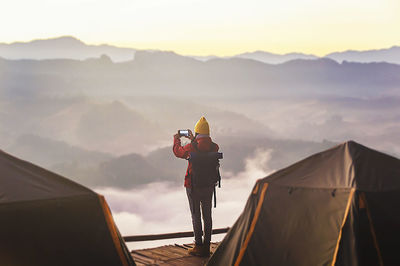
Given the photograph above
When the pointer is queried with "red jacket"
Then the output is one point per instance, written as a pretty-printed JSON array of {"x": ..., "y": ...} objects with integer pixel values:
[{"x": 203, "y": 144}]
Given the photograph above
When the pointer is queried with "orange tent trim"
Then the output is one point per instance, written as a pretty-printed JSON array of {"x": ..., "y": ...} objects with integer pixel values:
[
  {"x": 253, "y": 224},
  {"x": 113, "y": 230},
  {"x": 343, "y": 222}
]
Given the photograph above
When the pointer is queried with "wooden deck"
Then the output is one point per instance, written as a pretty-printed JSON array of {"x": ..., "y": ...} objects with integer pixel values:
[{"x": 169, "y": 255}]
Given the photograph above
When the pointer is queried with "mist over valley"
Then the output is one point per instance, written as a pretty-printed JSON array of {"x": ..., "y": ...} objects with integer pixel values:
[{"x": 108, "y": 123}]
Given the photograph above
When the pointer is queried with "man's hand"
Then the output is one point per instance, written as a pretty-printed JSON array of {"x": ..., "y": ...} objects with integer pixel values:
[
  {"x": 191, "y": 137},
  {"x": 177, "y": 136}
]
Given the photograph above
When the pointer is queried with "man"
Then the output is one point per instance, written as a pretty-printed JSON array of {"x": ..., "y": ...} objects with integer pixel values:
[{"x": 198, "y": 196}]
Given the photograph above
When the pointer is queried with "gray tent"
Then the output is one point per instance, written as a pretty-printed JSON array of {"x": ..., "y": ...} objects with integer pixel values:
[
  {"x": 337, "y": 207},
  {"x": 46, "y": 219}
]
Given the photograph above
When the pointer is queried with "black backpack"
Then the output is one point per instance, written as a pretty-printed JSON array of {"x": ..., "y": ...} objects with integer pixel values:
[{"x": 205, "y": 168}]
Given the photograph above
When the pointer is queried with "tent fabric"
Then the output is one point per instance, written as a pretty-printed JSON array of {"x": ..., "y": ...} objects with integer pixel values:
[
  {"x": 47, "y": 219},
  {"x": 253, "y": 225},
  {"x": 23, "y": 181},
  {"x": 346, "y": 254},
  {"x": 345, "y": 166},
  {"x": 385, "y": 219},
  {"x": 311, "y": 214},
  {"x": 121, "y": 249}
]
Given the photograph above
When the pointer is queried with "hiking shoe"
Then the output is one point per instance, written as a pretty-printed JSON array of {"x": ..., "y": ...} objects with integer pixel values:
[
  {"x": 199, "y": 250},
  {"x": 206, "y": 250}
]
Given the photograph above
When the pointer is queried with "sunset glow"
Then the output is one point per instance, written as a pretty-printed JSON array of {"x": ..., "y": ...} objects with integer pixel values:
[{"x": 209, "y": 27}]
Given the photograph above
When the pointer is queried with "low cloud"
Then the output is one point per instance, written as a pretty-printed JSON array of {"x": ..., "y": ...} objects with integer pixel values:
[{"x": 162, "y": 208}]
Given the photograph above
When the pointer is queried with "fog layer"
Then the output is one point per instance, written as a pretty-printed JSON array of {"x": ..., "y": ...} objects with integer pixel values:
[{"x": 109, "y": 125}]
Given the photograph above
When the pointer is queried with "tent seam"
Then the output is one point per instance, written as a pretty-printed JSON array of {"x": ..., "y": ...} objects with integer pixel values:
[
  {"x": 308, "y": 187},
  {"x": 341, "y": 227},
  {"x": 113, "y": 232},
  {"x": 253, "y": 224}
]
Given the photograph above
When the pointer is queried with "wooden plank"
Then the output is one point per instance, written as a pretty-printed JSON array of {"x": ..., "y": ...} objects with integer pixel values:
[
  {"x": 140, "y": 253},
  {"x": 145, "y": 259},
  {"x": 181, "y": 246},
  {"x": 163, "y": 254},
  {"x": 187, "y": 261},
  {"x": 188, "y": 245},
  {"x": 170, "y": 255},
  {"x": 179, "y": 250},
  {"x": 140, "y": 262},
  {"x": 174, "y": 252},
  {"x": 152, "y": 253},
  {"x": 169, "y": 235}
]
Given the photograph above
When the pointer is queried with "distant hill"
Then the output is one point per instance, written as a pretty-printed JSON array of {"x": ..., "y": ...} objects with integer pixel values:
[
  {"x": 261, "y": 56},
  {"x": 63, "y": 47},
  {"x": 131, "y": 170},
  {"x": 68, "y": 47},
  {"x": 166, "y": 73},
  {"x": 119, "y": 128},
  {"x": 47, "y": 152},
  {"x": 271, "y": 58},
  {"x": 389, "y": 55}
]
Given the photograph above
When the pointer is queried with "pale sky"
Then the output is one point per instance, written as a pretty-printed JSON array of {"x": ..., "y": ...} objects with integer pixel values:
[{"x": 205, "y": 27}]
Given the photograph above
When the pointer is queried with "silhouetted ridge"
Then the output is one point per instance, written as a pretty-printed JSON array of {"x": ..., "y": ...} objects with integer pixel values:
[
  {"x": 321, "y": 62},
  {"x": 59, "y": 42},
  {"x": 390, "y": 55},
  {"x": 162, "y": 58},
  {"x": 272, "y": 58}
]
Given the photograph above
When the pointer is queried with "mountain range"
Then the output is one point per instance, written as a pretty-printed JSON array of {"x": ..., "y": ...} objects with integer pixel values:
[
  {"x": 166, "y": 73},
  {"x": 96, "y": 169},
  {"x": 105, "y": 122},
  {"x": 68, "y": 47}
]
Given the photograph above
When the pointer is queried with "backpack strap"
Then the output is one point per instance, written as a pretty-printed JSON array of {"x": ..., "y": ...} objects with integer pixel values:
[
  {"x": 215, "y": 198},
  {"x": 194, "y": 145},
  {"x": 213, "y": 146}
]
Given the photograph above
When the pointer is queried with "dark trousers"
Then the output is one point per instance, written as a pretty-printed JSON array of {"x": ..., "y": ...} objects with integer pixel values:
[{"x": 201, "y": 197}]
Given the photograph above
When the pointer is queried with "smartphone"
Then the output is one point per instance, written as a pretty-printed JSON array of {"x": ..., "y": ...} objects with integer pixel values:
[{"x": 184, "y": 133}]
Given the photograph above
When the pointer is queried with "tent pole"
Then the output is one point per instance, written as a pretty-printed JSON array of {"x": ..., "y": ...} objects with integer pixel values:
[
  {"x": 343, "y": 222},
  {"x": 253, "y": 224},
  {"x": 112, "y": 229}
]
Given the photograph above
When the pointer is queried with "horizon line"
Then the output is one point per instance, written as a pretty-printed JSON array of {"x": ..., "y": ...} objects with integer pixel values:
[{"x": 192, "y": 55}]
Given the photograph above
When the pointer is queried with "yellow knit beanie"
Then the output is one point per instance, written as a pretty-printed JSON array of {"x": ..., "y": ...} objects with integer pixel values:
[{"x": 202, "y": 127}]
